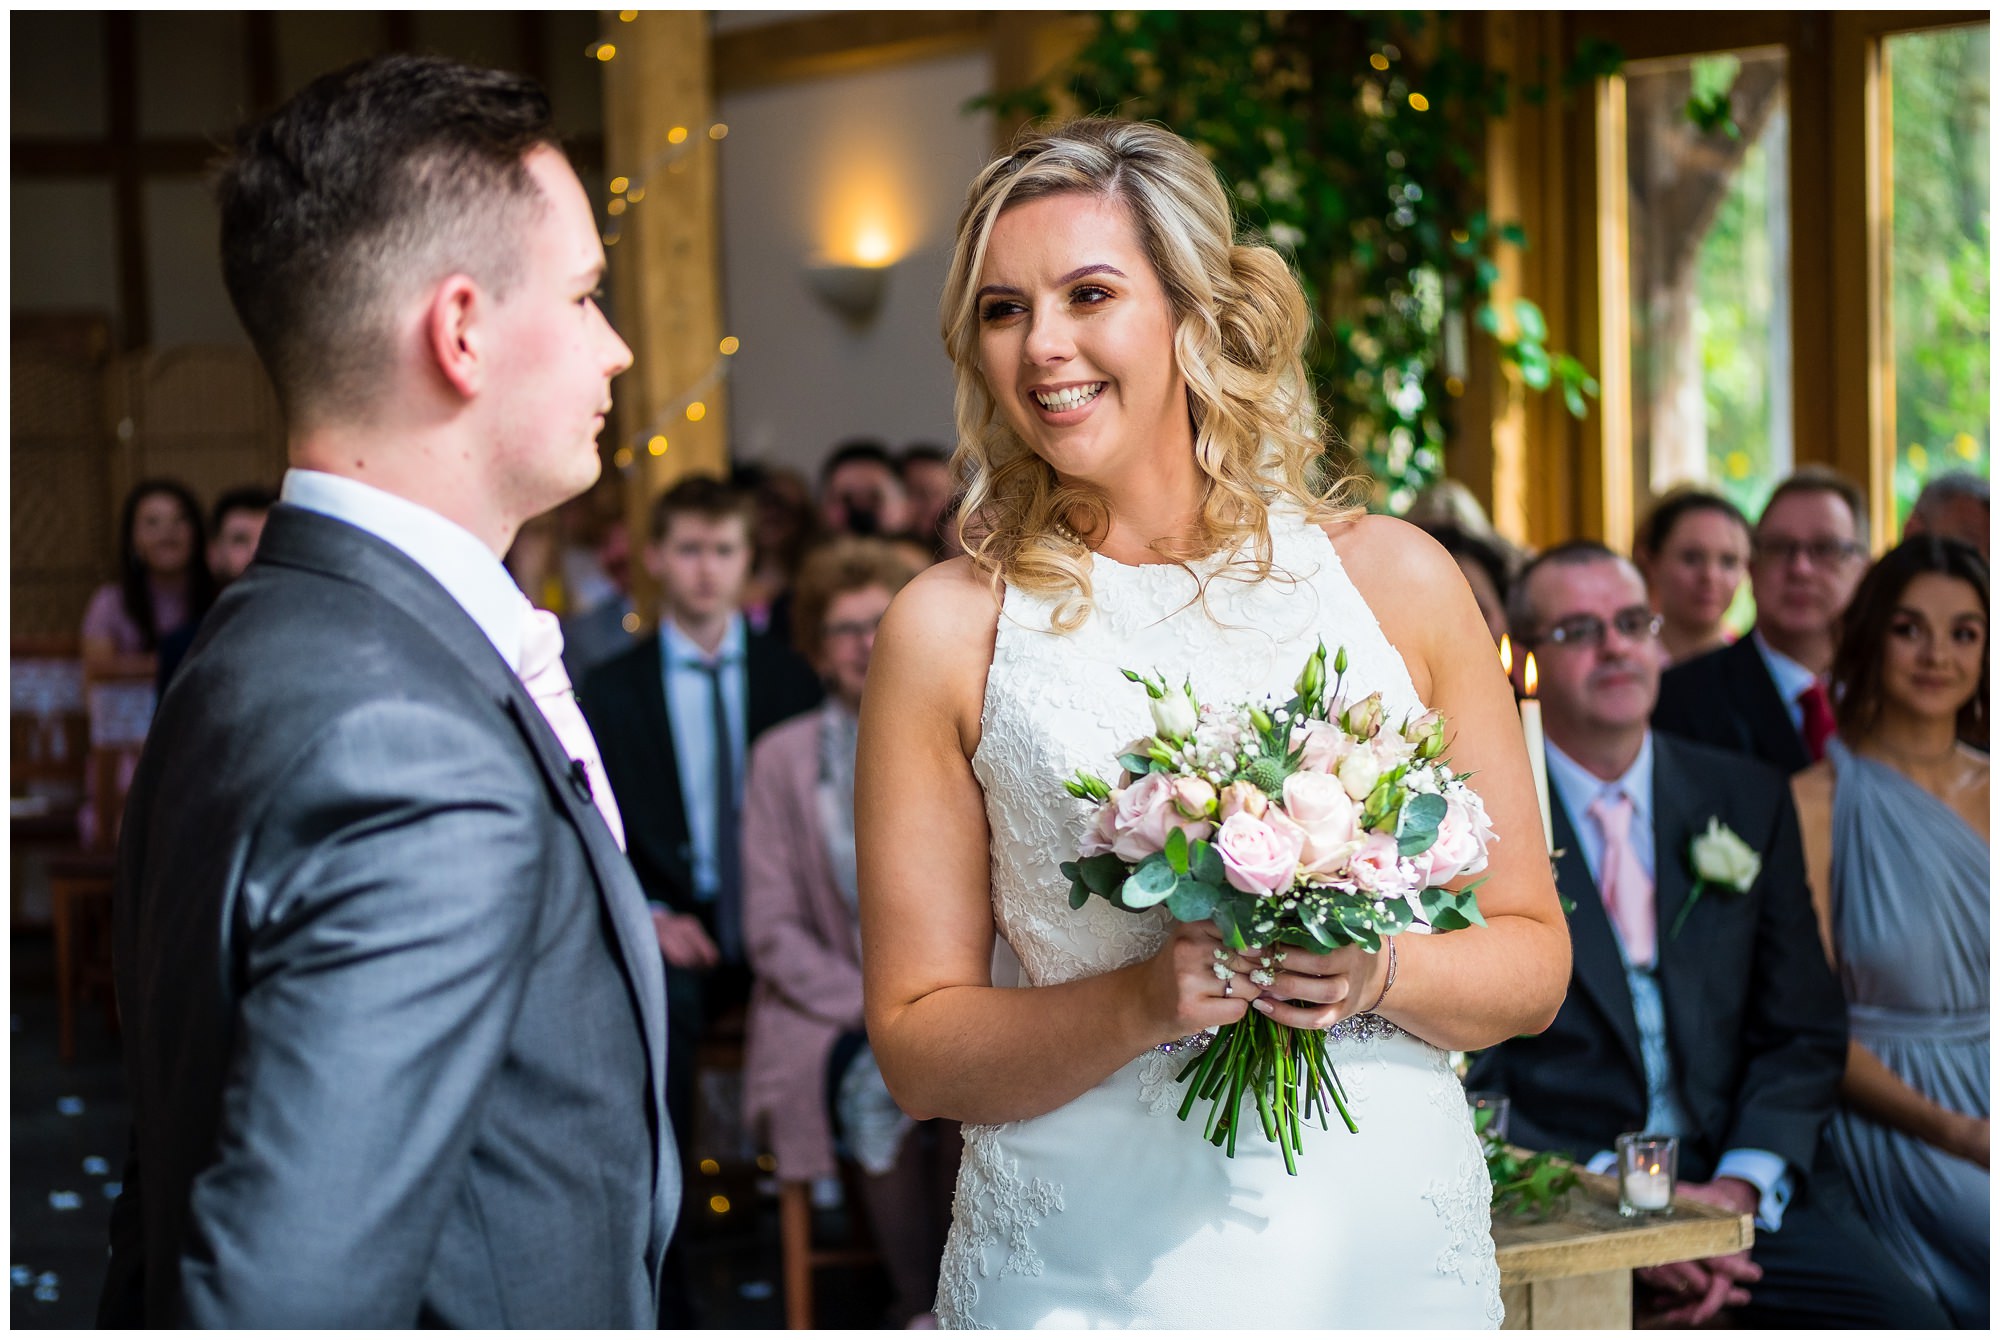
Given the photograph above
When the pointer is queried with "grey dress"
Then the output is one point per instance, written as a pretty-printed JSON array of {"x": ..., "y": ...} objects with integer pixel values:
[{"x": 1911, "y": 925}]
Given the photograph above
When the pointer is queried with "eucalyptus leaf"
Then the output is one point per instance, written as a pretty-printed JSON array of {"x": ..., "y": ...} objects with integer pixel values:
[
  {"x": 1136, "y": 764},
  {"x": 1177, "y": 850},
  {"x": 1193, "y": 900},
  {"x": 1150, "y": 883},
  {"x": 1205, "y": 864},
  {"x": 1103, "y": 874}
]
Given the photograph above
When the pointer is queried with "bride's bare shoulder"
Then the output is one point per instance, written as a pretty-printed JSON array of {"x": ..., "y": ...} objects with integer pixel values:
[
  {"x": 1415, "y": 589},
  {"x": 952, "y": 599},
  {"x": 1386, "y": 556}
]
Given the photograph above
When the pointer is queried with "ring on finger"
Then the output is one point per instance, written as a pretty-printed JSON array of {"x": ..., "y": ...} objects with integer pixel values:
[{"x": 1228, "y": 985}]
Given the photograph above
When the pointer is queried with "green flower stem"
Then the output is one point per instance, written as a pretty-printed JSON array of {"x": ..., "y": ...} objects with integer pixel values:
[{"x": 1694, "y": 896}]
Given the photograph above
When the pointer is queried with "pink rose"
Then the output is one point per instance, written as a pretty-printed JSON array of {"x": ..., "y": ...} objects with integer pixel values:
[
  {"x": 1103, "y": 834},
  {"x": 1243, "y": 798},
  {"x": 1259, "y": 857},
  {"x": 1376, "y": 868},
  {"x": 1145, "y": 816},
  {"x": 1460, "y": 849},
  {"x": 1324, "y": 745},
  {"x": 1194, "y": 797},
  {"x": 1320, "y": 806}
]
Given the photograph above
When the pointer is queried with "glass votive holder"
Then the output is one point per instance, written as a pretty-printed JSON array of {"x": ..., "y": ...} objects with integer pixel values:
[
  {"x": 1647, "y": 1165},
  {"x": 1495, "y": 1105}
]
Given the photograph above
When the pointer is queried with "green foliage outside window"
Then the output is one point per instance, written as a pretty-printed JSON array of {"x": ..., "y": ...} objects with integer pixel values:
[
  {"x": 1352, "y": 144},
  {"x": 1940, "y": 255}
]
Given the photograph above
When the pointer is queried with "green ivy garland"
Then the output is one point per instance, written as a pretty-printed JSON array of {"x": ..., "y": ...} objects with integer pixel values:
[{"x": 1351, "y": 143}]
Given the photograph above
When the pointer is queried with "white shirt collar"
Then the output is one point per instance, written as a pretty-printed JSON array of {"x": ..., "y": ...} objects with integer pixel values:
[
  {"x": 458, "y": 559},
  {"x": 680, "y": 649},
  {"x": 1578, "y": 785},
  {"x": 1791, "y": 678}
]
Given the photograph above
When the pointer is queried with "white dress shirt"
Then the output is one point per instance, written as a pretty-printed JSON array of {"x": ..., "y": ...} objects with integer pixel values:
[
  {"x": 1791, "y": 678},
  {"x": 470, "y": 573},
  {"x": 693, "y": 716}
]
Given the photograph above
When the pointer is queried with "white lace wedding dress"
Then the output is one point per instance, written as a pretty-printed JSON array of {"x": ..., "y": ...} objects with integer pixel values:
[{"x": 1109, "y": 1211}]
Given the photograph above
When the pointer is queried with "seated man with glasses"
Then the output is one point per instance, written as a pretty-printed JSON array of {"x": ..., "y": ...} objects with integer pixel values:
[
  {"x": 1706, "y": 1013},
  {"x": 1767, "y": 694}
]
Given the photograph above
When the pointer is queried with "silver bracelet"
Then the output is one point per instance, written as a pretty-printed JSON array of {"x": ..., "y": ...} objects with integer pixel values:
[{"x": 1387, "y": 982}]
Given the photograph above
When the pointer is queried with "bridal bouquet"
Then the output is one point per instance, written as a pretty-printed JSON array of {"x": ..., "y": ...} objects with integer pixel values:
[{"x": 1315, "y": 823}]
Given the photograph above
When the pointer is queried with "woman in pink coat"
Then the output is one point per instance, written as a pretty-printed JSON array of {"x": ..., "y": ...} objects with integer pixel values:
[{"x": 810, "y": 1082}]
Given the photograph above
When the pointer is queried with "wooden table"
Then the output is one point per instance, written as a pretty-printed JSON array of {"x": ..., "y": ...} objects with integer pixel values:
[{"x": 1574, "y": 1271}]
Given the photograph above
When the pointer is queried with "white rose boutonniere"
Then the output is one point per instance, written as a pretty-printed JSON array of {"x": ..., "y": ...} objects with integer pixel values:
[{"x": 1722, "y": 859}]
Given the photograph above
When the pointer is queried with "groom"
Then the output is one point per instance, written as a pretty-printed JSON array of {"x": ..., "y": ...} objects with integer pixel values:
[{"x": 395, "y": 1036}]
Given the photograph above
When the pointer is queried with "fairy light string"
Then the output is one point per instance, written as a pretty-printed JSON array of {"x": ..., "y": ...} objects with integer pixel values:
[{"x": 625, "y": 191}]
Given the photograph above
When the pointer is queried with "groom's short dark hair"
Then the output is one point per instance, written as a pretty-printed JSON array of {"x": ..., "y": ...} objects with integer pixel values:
[{"x": 391, "y": 173}]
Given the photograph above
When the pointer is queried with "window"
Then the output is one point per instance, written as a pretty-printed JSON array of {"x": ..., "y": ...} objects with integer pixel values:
[
  {"x": 1706, "y": 141},
  {"x": 1939, "y": 253}
]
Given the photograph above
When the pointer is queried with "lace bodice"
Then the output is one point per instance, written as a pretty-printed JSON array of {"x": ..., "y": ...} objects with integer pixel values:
[{"x": 1056, "y": 703}]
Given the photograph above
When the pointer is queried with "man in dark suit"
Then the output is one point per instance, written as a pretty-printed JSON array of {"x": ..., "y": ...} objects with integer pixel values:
[
  {"x": 676, "y": 716},
  {"x": 395, "y": 1044},
  {"x": 1766, "y": 694},
  {"x": 1711, "y": 1014}
]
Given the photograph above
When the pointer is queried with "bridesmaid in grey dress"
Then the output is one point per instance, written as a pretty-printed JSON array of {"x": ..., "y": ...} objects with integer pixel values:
[{"x": 1895, "y": 824}]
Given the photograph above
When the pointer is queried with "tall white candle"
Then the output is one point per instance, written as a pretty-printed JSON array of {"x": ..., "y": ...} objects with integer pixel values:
[{"x": 1538, "y": 762}]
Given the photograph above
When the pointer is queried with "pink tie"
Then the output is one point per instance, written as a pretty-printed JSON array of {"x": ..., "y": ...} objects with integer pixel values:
[
  {"x": 1627, "y": 889},
  {"x": 548, "y": 684}
]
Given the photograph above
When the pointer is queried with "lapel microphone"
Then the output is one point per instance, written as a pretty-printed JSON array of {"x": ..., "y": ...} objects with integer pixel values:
[{"x": 579, "y": 778}]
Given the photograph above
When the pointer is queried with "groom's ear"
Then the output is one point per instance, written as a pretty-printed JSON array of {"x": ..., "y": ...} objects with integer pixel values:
[{"x": 452, "y": 335}]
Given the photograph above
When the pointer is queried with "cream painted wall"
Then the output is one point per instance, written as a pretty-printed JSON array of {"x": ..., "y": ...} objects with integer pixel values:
[{"x": 808, "y": 169}]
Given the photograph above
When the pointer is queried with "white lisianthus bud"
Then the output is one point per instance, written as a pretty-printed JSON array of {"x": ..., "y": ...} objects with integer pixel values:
[
  {"x": 1174, "y": 715},
  {"x": 1365, "y": 717},
  {"x": 1359, "y": 772}
]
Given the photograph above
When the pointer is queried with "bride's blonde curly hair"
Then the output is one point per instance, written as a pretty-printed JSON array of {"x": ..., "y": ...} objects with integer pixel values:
[{"x": 1241, "y": 325}]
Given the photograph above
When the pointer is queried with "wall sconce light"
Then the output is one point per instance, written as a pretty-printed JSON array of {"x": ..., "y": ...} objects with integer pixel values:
[{"x": 854, "y": 292}]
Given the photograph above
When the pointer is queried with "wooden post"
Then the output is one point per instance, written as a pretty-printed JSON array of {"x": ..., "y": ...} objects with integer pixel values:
[{"x": 658, "y": 110}]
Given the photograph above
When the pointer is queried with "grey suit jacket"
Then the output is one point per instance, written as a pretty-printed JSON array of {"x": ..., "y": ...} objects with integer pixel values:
[{"x": 395, "y": 1038}]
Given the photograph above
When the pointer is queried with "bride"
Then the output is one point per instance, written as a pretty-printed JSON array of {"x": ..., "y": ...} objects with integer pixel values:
[{"x": 1136, "y": 446}]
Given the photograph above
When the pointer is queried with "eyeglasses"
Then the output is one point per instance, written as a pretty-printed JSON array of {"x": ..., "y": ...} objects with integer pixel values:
[
  {"x": 840, "y": 632},
  {"x": 1636, "y": 624},
  {"x": 1823, "y": 553}
]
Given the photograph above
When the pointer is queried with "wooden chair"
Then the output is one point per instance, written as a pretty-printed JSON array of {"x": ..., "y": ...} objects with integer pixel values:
[
  {"x": 801, "y": 1257},
  {"x": 120, "y": 707},
  {"x": 48, "y": 758}
]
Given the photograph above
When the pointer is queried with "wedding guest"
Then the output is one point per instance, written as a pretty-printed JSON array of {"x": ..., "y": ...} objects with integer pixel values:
[
  {"x": 394, "y": 1038},
  {"x": 787, "y": 525},
  {"x": 163, "y": 577},
  {"x": 1448, "y": 502},
  {"x": 926, "y": 471},
  {"x": 675, "y": 717},
  {"x": 236, "y": 525},
  {"x": 861, "y": 493},
  {"x": 1693, "y": 548},
  {"x": 1766, "y": 695},
  {"x": 809, "y": 1079},
  {"x": 1485, "y": 568},
  {"x": 1956, "y": 504},
  {"x": 609, "y": 625},
  {"x": 1898, "y": 853},
  {"x": 1703, "y": 1013}
]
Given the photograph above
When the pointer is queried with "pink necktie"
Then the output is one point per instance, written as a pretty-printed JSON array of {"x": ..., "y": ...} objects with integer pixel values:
[
  {"x": 548, "y": 684},
  {"x": 1627, "y": 889},
  {"x": 1817, "y": 723}
]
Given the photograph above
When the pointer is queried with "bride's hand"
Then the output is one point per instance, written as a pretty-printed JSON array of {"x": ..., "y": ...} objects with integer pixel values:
[
  {"x": 1308, "y": 990},
  {"x": 1184, "y": 988}
]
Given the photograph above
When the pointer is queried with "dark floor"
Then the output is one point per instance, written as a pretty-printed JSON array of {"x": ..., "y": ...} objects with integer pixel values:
[{"x": 69, "y": 1142}]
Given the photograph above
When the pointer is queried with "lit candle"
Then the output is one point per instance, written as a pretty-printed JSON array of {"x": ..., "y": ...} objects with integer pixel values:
[
  {"x": 1531, "y": 732},
  {"x": 1649, "y": 1186}
]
